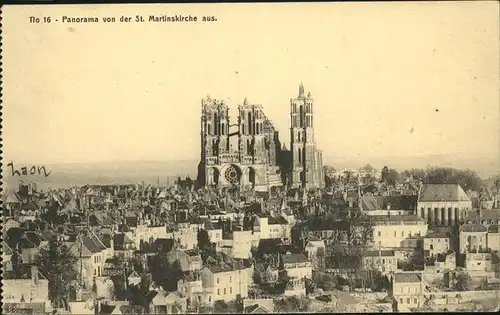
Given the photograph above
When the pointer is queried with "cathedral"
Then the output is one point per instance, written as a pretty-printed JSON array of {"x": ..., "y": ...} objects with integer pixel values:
[{"x": 247, "y": 153}]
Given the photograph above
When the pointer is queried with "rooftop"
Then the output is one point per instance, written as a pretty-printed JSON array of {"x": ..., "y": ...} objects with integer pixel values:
[
  {"x": 407, "y": 277},
  {"x": 442, "y": 192},
  {"x": 473, "y": 227}
]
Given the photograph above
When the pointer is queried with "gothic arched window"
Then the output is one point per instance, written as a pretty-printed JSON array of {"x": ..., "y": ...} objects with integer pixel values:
[
  {"x": 249, "y": 123},
  {"x": 215, "y": 123},
  {"x": 300, "y": 155},
  {"x": 301, "y": 116}
]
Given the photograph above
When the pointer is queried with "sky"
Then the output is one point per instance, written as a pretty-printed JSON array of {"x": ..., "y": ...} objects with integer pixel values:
[{"x": 388, "y": 79}]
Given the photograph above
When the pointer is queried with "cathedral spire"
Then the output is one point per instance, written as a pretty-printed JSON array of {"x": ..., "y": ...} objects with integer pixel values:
[
  {"x": 301, "y": 89},
  {"x": 245, "y": 102}
]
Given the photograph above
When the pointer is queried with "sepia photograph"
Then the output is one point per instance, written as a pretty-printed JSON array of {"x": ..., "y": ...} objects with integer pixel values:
[{"x": 243, "y": 158}]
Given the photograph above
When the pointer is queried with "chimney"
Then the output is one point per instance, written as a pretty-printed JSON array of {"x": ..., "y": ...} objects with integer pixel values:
[
  {"x": 78, "y": 294},
  {"x": 34, "y": 274}
]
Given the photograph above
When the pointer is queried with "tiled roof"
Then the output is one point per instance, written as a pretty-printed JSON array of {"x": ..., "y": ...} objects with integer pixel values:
[
  {"x": 6, "y": 249},
  {"x": 436, "y": 235},
  {"x": 29, "y": 206},
  {"x": 442, "y": 192},
  {"x": 485, "y": 214},
  {"x": 257, "y": 309},
  {"x": 11, "y": 197},
  {"x": 120, "y": 239},
  {"x": 407, "y": 277},
  {"x": 91, "y": 244},
  {"x": 402, "y": 202},
  {"x": 473, "y": 227},
  {"x": 294, "y": 258},
  {"x": 278, "y": 220},
  {"x": 493, "y": 228}
]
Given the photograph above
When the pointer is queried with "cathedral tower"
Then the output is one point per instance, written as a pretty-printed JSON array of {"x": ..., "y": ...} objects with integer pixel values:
[
  {"x": 307, "y": 164},
  {"x": 214, "y": 137}
]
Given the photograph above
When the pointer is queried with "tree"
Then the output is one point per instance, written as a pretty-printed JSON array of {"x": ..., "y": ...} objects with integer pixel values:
[
  {"x": 415, "y": 262},
  {"x": 57, "y": 264},
  {"x": 291, "y": 305},
  {"x": 467, "y": 179},
  {"x": 393, "y": 177},
  {"x": 463, "y": 282},
  {"x": 17, "y": 263},
  {"x": 329, "y": 172},
  {"x": 203, "y": 239},
  {"x": 164, "y": 273},
  {"x": 368, "y": 174},
  {"x": 384, "y": 174},
  {"x": 418, "y": 174}
]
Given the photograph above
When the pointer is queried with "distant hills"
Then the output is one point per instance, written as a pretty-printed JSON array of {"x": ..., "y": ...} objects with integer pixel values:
[
  {"x": 122, "y": 172},
  {"x": 128, "y": 172},
  {"x": 484, "y": 166}
]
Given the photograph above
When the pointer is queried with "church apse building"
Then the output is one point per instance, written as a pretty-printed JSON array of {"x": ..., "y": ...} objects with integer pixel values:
[{"x": 248, "y": 153}]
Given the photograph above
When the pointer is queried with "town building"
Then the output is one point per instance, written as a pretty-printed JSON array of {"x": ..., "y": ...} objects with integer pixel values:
[
  {"x": 407, "y": 289},
  {"x": 29, "y": 296},
  {"x": 436, "y": 243},
  {"x": 384, "y": 261},
  {"x": 226, "y": 280},
  {"x": 443, "y": 204},
  {"x": 473, "y": 238},
  {"x": 392, "y": 231}
]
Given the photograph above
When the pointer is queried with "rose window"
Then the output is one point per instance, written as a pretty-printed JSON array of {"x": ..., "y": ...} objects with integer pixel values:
[{"x": 232, "y": 175}]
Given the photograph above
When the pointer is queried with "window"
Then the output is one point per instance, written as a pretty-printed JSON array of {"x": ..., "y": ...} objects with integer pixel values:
[
  {"x": 218, "y": 291},
  {"x": 209, "y": 298},
  {"x": 217, "y": 280},
  {"x": 383, "y": 261},
  {"x": 224, "y": 291},
  {"x": 230, "y": 290},
  {"x": 401, "y": 301},
  {"x": 446, "y": 240},
  {"x": 415, "y": 301},
  {"x": 230, "y": 279},
  {"x": 379, "y": 233},
  {"x": 403, "y": 233},
  {"x": 439, "y": 240},
  {"x": 395, "y": 234},
  {"x": 408, "y": 301}
]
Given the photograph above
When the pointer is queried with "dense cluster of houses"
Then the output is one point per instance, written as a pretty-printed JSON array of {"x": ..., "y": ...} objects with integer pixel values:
[{"x": 262, "y": 246}]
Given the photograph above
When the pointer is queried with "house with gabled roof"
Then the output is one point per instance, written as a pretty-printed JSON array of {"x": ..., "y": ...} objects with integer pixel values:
[
  {"x": 296, "y": 265},
  {"x": 6, "y": 257},
  {"x": 91, "y": 256},
  {"x": 226, "y": 278},
  {"x": 316, "y": 251},
  {"x": 266, "y": 273},
  {"x": 407, "y": 289},
  {"x": 30, "y": 295}
]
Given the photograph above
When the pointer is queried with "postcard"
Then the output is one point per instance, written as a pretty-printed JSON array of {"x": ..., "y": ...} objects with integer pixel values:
[{"x": 250, "y": 158}]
